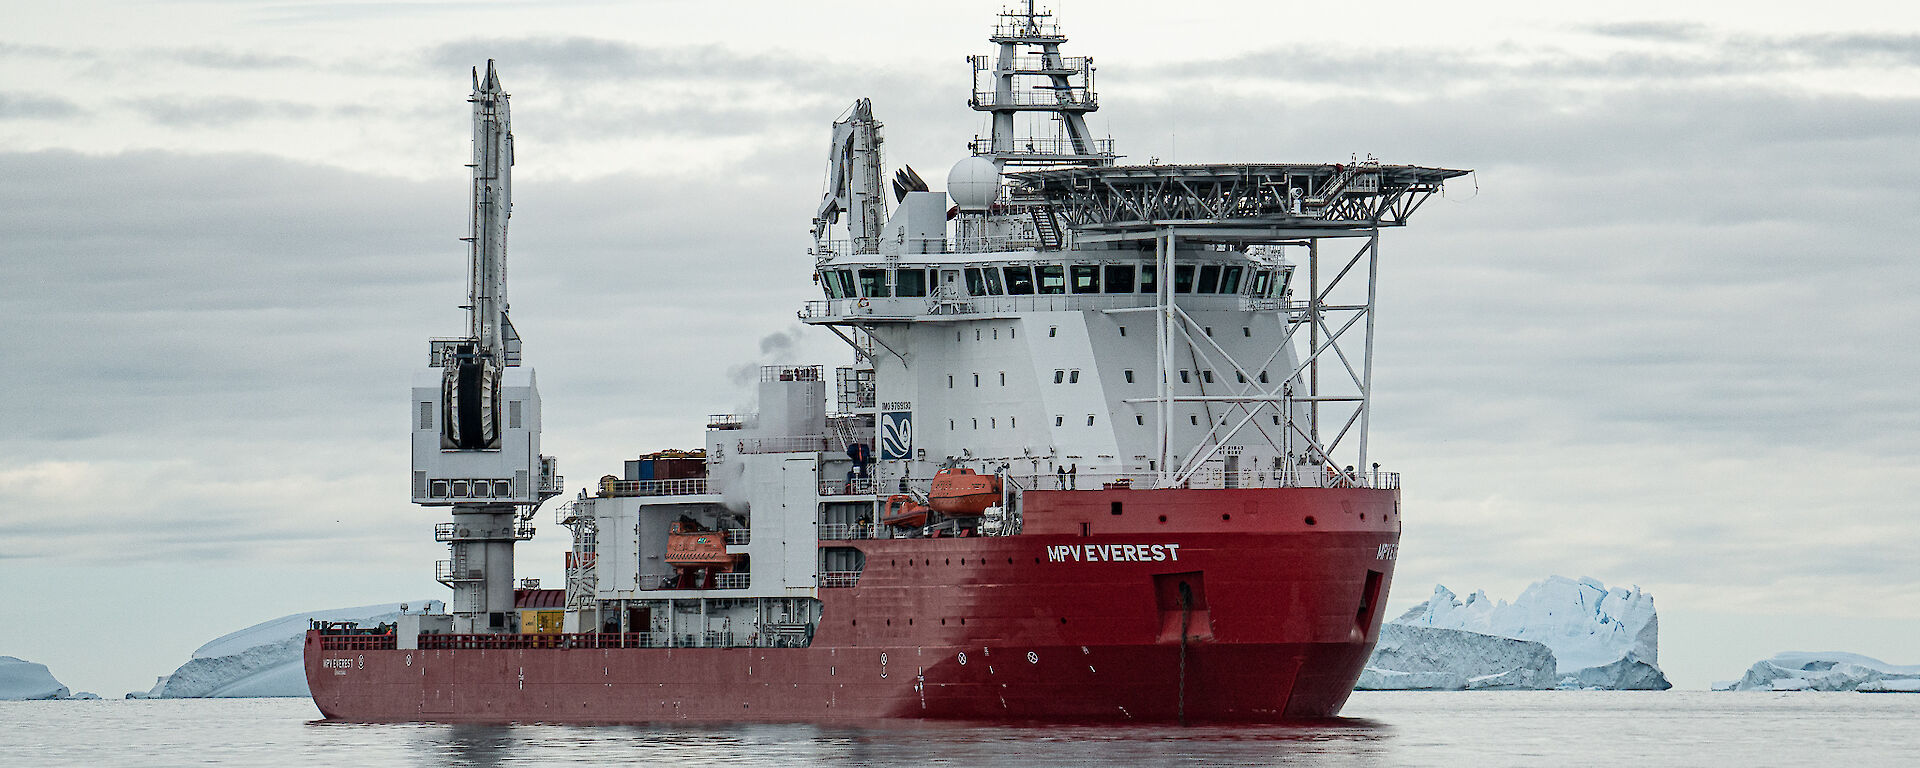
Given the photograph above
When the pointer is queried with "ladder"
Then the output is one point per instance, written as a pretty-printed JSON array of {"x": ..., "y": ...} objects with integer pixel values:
[{"x": 1046, "y": 226}]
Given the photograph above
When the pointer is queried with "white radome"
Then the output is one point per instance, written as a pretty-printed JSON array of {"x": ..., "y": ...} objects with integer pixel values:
[{"x": 973, "y": 183}]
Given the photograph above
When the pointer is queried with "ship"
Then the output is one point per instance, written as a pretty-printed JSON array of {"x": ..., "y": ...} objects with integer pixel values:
[{"x": 1100, "y": 455}]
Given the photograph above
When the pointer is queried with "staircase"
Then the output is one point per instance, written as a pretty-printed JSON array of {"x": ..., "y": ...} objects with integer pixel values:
[{"x": 1046, "y": 226}]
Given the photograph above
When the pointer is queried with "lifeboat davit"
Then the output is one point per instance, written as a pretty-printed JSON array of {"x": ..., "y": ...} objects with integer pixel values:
[{"x": 963, "y": 492}]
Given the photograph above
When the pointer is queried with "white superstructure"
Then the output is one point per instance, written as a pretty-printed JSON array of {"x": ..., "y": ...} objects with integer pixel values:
[{"x": 1050, "y": 319}]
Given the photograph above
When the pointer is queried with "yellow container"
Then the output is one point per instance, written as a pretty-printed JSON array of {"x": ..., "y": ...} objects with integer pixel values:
[{"x": 535, "y": 622}]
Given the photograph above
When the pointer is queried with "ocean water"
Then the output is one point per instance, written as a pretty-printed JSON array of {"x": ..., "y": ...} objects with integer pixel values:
[{"x": 1478, "y": 729}]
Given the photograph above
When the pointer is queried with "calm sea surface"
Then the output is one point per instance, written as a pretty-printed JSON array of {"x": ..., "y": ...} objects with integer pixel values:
[{"x": 1476, "y": 729}]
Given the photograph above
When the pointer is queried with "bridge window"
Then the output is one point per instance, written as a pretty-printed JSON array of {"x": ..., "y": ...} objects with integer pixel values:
[
  {"x": 1086, "y": 278},
  {"x": 1120, "y": 278},
  {"x": 910, "y": 282},
  {"x": 1209, "y": 279},
  {"x": 873, "y": 283},
  {"x": 827, "y": 284},
  {"x": 1019, "y": 281},
  {"x": 1261, "y": 279},
  {"x": 1230, "y": 280},
  {"x": 1053, "y": 278},
  {"x": 993, "y": 281},
  {"x": 976, "y": 285},
  {"x": 1183, "y": 278},
  {"x": 1147, "y": 277}
]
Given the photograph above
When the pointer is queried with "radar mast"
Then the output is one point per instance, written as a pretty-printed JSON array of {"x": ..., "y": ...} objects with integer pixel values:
[{"x": 1028, "y": 75}]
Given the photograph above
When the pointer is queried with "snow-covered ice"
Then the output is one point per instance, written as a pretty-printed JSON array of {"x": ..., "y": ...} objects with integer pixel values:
[
  {"x": 1599, "y": 638},
  {"x": 1830, "y": 671},
  {"x": 264, "y": 659},
  {"x": 22, "y": 680},
  {"x": 1410, "y": 657}
]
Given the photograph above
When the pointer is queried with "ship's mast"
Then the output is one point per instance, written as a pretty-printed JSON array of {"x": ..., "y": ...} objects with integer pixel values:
[{"x": 1028, "y": 75}]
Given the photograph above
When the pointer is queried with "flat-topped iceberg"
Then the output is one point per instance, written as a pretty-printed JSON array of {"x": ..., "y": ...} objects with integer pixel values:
[
  {"x": 22, "y": 680},
  {"x": 1414, "y": 658},
  {"x": 1829, "y": 671},
  {"x": 264, "y": 659},
  {"x": 1596, "y": 638}
]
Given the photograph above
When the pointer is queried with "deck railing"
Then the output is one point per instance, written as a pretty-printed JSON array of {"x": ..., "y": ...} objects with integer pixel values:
[
  {"x": 782, "y": 444},
  {"x": 846, "y": 531},
  {"x": 1307, "y": 477},
  {"x": 986, "y": 305},
  {"x": 356, "y": 642},
  {"x": 859, "y": 486},
  {"x": 594, "y": 640},
  {"x": 839, "y": 578},
  {"x": 688, "y": 486}
]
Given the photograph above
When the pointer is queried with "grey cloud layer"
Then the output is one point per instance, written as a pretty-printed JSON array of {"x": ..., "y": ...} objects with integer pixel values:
[{"x": 1658, "y": 346}]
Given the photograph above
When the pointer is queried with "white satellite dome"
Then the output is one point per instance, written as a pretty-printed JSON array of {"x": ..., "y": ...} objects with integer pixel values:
[{"x": 973, "y": 183}]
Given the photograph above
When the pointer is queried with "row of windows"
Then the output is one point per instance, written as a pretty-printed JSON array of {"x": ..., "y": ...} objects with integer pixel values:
[
  {"x": 993, "y": 422},
  {"x": 1055, "y": 279},
  {"x": 1072, "y": 376},
  {"x": 1053, "y": 331}
]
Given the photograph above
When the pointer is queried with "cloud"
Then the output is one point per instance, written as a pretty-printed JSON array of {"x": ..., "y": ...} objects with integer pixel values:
[
  {"x": 28, "y": 106},
  {"x": 580, "y": 58},
  {"x": 233, "y": 59},
  {"x": 1659, "y": 31},
  {"x": 199, "y": 112}
]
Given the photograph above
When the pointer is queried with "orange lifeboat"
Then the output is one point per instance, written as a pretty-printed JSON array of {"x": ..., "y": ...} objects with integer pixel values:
[
  {"x": 902, "y": 512},
  {"x": 690, "y": 547},
  {"x": 963, "y": 492}
]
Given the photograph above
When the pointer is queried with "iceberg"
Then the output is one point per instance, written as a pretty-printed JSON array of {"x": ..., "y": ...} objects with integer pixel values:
[
  {"x": 1597, "y": 638},
  {"x": 1830, "y": 671},
  {"x": 263, "y": 660},
  {"x": 22, "y": 680},
  {"x": 1415, "y": 658}
]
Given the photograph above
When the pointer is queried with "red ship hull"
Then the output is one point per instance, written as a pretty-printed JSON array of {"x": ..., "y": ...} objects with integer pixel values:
[{"x": 1074, "y": 620}]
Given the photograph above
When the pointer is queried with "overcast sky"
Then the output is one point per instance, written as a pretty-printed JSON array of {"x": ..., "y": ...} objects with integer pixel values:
[{"x": 1664, "y": 335}]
